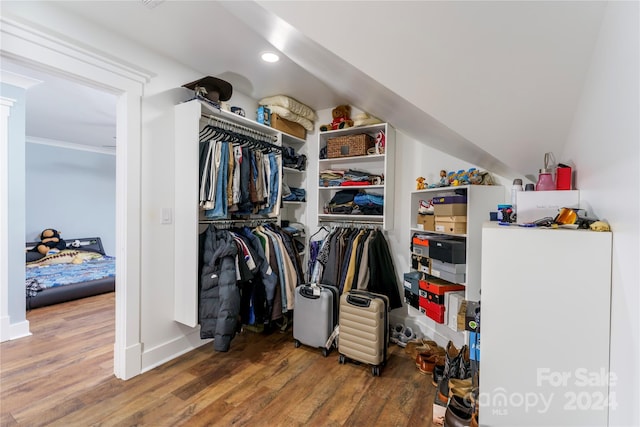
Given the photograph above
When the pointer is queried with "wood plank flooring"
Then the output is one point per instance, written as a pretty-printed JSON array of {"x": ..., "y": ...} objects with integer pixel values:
[{"x": 62, "y": 375}]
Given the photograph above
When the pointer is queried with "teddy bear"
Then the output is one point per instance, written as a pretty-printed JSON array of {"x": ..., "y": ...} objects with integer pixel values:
[
  {"x": 420, "y": 183},
  {"x": 341, "y": 119},
  {"x": 50, "y": 241}
]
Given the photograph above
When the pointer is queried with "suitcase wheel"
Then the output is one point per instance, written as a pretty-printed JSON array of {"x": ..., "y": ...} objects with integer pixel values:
[
  {"x": 375, "y": 371},
  {"x": 342, "y": 360},
  {"x": 325, "y": 352},
  {"x": 296, "y": 343}
]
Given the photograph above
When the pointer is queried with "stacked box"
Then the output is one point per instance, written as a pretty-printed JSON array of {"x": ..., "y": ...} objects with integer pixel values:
[
  {"x": 287, "y": 126},
  {"x": 420, "y": 245},
  {"x": 448, "y": 250},
  {"x": 411, "y": 282},
  {"x": 420, "y": 263},
  {"x": 433, "y": 296},
  {"x": 453, "y": 302},
  {"x": 456, "y": 224},
  {"x": 454, "y": 273},
  {"x": 450, "y": 205},
  {"x": 426, "y": 222},
  {"x": 435, "y": 311}
]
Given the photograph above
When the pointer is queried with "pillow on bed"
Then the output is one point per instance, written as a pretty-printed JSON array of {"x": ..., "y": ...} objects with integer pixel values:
[
  {"x": 291, "y": 105},
  {"x": 286, "y": 114},
  {"x": 33, "y": 256}
]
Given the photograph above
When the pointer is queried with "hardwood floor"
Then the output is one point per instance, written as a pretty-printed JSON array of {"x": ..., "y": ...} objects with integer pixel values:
[{"x": 62, "y": 375}]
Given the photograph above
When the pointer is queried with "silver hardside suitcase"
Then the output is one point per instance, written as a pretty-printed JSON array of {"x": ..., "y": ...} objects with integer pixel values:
[
  {"x": 315, "y": 316},
  {"x": 364, "y": 330}
]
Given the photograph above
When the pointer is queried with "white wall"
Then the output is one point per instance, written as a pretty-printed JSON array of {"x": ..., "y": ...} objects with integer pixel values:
[
  {"x": 603, "y": 146},
  {"x": 73, "y": 191},
  {"x": 18, "y": 325}
]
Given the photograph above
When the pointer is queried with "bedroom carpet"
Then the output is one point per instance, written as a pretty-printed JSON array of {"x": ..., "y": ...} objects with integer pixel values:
[{"x": 62, "y": 375}]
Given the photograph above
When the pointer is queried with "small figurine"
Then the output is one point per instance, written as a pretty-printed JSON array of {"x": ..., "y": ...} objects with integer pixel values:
[
  {"x": 443, "y": 178},
  {"x": 420, "y": 183}
]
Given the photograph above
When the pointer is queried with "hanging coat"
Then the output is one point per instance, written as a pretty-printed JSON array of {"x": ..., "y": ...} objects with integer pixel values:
[{"x": 219, "y": 295}]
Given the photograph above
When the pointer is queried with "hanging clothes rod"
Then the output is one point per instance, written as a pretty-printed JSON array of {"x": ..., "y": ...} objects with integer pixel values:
[
  {"x": 228, "y": 223},
  {"x": 245, "y": 130},
  {"x": 355, "y": 224}
]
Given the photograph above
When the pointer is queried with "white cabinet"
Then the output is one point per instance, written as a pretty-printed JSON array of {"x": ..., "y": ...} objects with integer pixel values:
[
  {"x": 545, "y": 324},
  {"x": 190, "y": 117},
  {"x": 481, "y": 199},
  {"x": 376, "y": 164}
]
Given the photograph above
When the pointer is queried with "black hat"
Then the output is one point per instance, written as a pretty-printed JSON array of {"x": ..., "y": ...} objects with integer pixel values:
[{"x": 216, "y": 89}]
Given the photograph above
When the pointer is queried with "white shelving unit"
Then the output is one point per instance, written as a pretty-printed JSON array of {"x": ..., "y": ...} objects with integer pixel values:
[
  {"x": 481, "y": 199},
  {"x": 378, "y": 164},
  {"x": 296, "y": 211},
  {"x": 188, "y": 123}
]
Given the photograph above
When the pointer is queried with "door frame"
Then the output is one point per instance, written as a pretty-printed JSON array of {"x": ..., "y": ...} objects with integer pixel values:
[{"x": 37, "y": 49}]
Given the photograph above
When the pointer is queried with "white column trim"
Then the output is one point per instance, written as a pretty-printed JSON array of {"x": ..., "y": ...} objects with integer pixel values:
[{"x": 5, "y": 111}]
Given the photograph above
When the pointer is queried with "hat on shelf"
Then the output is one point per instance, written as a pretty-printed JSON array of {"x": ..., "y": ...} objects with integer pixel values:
[{"x": 212, "y": 88}]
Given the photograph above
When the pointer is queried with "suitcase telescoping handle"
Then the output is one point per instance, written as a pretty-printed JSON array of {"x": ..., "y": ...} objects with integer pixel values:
[{"x": 358, "y": 301}]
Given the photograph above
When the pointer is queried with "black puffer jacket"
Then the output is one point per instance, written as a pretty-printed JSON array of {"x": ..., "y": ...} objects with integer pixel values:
[{"x": 219, "y": 294}]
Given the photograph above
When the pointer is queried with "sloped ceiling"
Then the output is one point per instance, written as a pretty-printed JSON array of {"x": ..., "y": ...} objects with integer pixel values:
[
  {"x": 493, "y": 83},
  {"x": 503, "y": 77}
]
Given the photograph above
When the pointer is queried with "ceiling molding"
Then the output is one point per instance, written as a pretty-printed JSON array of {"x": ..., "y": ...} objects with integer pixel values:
[
  {"x": 18, "y": 80},
  {"x": 14, "y": 34},
  {"x": 69, "y": 145}
]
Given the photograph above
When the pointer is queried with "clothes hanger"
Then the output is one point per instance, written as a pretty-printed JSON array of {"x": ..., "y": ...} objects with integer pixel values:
[{"x": 322, "y": 228}]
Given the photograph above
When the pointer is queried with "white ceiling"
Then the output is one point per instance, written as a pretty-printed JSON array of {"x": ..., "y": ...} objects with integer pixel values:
[{"x": 492, "y": 83}]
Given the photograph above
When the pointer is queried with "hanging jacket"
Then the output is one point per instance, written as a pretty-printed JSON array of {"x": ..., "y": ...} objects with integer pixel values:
[{"x": 219, "y": 296}]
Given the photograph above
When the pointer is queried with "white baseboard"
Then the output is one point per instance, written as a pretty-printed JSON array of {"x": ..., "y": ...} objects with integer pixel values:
[
  {"x": 16, "y": 330},
  {"x": 426, "y": 327},
  {"x": 163, "y": 353}
]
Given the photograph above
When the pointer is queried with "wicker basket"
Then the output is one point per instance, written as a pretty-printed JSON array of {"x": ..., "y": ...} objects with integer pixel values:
[{"x": 349, "y": 145}]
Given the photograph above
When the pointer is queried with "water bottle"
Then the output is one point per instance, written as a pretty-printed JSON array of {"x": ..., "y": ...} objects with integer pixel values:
[
  {"x": 517, "y": 186},
  {"x": 545, "y": 179}
]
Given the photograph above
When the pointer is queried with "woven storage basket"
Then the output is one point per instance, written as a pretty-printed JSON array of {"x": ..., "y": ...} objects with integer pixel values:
[{"x": 349, "y": 145}]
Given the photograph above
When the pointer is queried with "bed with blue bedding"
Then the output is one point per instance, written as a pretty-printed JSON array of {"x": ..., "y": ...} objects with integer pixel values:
[{"x": 81, "y": 270}]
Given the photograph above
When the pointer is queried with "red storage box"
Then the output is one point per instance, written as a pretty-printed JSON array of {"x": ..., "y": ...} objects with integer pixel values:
[
  {"x": 435, "y": 311},
  {"x": 438, "y": 286}
]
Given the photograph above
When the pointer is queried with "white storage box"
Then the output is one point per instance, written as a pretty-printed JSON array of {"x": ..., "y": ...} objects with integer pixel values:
[
  {"x": 453, "y": 301},
  {"x": 533, "y": 205}
]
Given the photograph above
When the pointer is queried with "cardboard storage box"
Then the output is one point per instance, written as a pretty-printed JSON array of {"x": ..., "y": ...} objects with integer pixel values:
[
  {"x": 411, "y": 282},
  {"x": 449, "y": 277},
  {"x": 448, "y": 250},
  {"x": 456, "y": 224},
  {"x": 435, "y": 311},
  {"x": 453, "y": 301},
  {"x": 287, "y": 126},
  {"x": 411, "y": 299},
  {"x": 421, "y": 263},
  {"x": 448, "y": 267},
  {"x": 426, "y": 222},
  {"x": 450, "y": 205},
  {"x": 438, "y": 286},
  {"x": 454, "y": 273},
  {"x": 533, "y": 205},
  {"x": 420, "y": 245}
]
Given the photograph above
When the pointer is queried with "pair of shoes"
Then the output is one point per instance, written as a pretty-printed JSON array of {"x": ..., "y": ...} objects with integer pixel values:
[
  {"x": 457, "y": 362},
  {"x": 427, "y": 351},
  {"x": 459, "y": 413},
  {"x": 419, "y": 345},
  {"x": 427, "y": 364},
  {"x": 461, "y": 388},
  {"x": 401, "y": 335},
  {"x": 438, "y": 371}
]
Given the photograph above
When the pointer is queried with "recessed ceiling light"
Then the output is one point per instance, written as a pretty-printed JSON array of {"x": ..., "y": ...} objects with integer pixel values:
[{"x": 270, "y": 57}]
